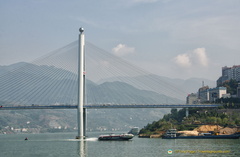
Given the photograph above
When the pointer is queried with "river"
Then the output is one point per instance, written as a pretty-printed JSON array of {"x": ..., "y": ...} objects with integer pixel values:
[{"x": 64, "y": 145}]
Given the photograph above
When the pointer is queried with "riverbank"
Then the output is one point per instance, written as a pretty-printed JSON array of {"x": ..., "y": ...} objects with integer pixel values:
[{"x": 216, "y": 129}]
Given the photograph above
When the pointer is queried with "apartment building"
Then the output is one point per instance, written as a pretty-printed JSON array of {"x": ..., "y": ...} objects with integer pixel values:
[{"x": 229, "y": 73}]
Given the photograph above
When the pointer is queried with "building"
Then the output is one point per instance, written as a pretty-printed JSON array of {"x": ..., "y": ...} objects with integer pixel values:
[
  {"x": 192, "y": 99},
  {"x": 206, "y": 94},
  {"x": 229, "y": 73},
  {"x": 216, "y": 93},
  {"x": 228, "y": 95},
  {"x": 203, "y": 94}
]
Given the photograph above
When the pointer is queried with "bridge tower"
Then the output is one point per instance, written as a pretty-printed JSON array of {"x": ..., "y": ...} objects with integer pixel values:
[{"x": 81, "y": 114}]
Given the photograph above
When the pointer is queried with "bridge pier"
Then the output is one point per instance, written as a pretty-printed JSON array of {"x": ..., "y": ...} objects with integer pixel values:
[{"x": 187, "y": 112}]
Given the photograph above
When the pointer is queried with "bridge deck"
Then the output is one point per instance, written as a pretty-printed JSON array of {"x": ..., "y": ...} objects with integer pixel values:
[{"x": 103, "y": 106}]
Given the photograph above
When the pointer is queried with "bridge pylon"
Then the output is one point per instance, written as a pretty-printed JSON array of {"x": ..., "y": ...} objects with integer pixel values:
[{"x": 81, "y": 115}]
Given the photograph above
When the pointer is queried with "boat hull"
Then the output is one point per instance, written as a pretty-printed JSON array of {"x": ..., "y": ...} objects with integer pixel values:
[{"x": 121, "y": 137}]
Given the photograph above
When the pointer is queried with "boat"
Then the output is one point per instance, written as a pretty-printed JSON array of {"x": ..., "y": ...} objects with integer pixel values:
[
  {"x": 120, "y": 137},
  {"x": 172, "y": 134}
]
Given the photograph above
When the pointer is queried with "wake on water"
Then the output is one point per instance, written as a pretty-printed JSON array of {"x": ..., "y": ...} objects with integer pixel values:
[{"x": 86, "y": 139}]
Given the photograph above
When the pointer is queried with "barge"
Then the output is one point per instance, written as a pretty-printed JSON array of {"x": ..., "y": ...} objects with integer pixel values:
[
  {"x": 172, "y": 134},
  {"x": 118, "y": 137}
]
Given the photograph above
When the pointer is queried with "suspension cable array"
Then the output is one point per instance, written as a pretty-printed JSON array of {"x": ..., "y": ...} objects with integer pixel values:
[{"x": 52, "y": 79}]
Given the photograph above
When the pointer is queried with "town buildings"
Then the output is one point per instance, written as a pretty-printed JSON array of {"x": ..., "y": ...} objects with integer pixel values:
[
  {"x": 229, "y": 73},
  {"x": 206, "y": 94}
]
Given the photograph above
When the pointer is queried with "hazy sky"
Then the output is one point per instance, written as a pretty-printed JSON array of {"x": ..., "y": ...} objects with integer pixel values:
[{"x": 173, "y": 38}]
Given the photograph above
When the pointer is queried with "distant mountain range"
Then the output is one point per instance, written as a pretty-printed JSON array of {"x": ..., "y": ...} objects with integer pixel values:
[
  {"x": 42, "y": 85},
  {"x": 25, "y": 83},
  {"x": 177, "y": 88}
]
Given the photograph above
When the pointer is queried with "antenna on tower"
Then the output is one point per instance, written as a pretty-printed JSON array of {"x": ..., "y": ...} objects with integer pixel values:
[{"x": 202, "y": 83}]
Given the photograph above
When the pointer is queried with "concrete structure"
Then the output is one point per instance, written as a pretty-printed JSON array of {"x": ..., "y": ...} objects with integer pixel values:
[
  {"x": 216, "y": 93},
  {"x": 228, "y": 95},
  {"x": 229, "y": 73},
  {"x": 192, "y": 99},
  {"x": 238, "y": 90},
  {"x": 203, "y": 94},
  {"x": 187, "y": 112},
  {"x": 211, "y": 94},
  {"x": 81, "y": 85},
  {"x": 101, "y": 106}
]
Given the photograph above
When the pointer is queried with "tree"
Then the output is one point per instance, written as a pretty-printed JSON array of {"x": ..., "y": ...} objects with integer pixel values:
[{"x": 231, "y": 86}]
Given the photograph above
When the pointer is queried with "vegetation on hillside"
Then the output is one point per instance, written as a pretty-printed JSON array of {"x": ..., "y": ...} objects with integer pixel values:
[
  {"x": 226, "y": 115},
  {"x": 35, "y": 121},
  {"x": 231, "y": 86}
]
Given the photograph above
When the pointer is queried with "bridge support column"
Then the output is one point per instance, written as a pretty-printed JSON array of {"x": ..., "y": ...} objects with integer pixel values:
[
  {"x": 187, "y": 112},
  {"x": 84, "y": 121},
  {"x": 81, "y": 85}
]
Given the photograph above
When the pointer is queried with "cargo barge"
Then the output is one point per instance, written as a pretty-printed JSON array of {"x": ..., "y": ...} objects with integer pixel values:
[{"x": 172, "y": 134}]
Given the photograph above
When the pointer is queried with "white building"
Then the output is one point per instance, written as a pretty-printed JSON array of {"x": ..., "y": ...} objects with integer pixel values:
[
  {"x": 216, "y": 93},
  {"x": 211, "y": 94}
]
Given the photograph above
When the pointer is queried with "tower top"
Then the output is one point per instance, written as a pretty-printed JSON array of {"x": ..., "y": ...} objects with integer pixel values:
[{"x": 81, "y": 29}]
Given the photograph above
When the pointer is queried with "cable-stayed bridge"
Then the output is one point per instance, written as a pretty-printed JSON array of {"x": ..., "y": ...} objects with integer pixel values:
[
  {"x": 52, "y": 79},
  {"x": 52, "y": 82},
  {"x": 106, "y": 106}
]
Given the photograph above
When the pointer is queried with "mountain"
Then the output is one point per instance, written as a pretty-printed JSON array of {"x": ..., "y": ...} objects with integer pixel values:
[
  {"x": 123, "y": 93},
  {"x": 33, "y": 84},
  {"x": 177, "y": 88},
  {"x": 24, "y": 83},
  {"x": 5, "y": 69}
]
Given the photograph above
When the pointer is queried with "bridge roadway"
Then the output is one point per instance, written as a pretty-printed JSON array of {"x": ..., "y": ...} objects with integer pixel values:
[{"x": 19, "y": 107}]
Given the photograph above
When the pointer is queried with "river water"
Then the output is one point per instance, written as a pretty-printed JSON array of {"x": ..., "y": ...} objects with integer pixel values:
[{"x": 64, "y": 145}]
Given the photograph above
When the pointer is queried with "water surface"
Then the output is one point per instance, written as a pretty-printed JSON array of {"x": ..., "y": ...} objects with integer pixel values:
[{"x": 64, "y": 145}]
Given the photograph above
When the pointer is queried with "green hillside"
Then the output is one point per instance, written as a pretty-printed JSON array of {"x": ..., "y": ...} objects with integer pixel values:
[{"x": 226, "y": 115}]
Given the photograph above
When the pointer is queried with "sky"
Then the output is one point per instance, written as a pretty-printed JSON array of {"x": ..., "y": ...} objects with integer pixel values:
[{"x": 173, "y": 38}]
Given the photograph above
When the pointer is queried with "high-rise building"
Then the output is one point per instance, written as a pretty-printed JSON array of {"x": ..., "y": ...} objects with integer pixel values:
[{"x": 229, "y": 73}]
